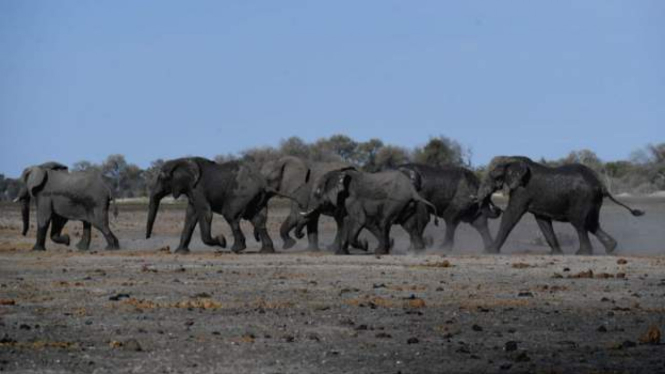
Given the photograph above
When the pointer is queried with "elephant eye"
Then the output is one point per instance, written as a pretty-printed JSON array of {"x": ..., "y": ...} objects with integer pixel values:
[{"x": 317, "y": 193}]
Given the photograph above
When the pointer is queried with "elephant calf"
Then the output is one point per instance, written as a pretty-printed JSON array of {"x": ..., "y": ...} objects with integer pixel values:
[
  {"x": 374, "y": 201},
  {"x": 61, "y": 196},
  {"x": 570, "y": 193}
]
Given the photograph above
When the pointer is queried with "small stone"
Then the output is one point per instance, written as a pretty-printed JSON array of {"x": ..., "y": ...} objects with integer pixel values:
[
  {"x": 132, "y": 345},
  {"x": 601, "y": 329},
  {"x": 622, "y": 261},
  {"x": 651, "y": 336},
  {"x": 510, "y": 346},
  {"x": 412, "y": 341},
  {"x": 476, "y": 328}
]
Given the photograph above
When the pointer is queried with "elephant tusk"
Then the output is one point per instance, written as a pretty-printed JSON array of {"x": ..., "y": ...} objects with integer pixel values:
[{"x": 16, "y": 200}]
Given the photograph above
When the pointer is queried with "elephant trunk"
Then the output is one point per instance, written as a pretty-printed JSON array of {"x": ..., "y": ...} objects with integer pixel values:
[
  {"x": 155, "y": 199},
  {"x": 302, "y": 223},
  {"x": 24, "y": 198}
]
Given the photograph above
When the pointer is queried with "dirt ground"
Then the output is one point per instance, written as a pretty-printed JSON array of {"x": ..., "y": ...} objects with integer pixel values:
[{"x": 145, "y": 310}]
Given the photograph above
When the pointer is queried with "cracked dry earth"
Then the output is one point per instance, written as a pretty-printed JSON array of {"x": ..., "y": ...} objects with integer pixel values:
[{"x": 144, "y": 310}]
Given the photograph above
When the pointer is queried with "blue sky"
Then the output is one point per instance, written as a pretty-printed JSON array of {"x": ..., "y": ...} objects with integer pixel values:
[{"x": 161, "y": 79}]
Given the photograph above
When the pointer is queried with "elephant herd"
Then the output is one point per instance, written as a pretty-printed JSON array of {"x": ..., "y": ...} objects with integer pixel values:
[{"x": 356, "y": 200}]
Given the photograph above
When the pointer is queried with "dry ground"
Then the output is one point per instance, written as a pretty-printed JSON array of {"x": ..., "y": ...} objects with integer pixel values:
[{"x": 145, "y": 310}]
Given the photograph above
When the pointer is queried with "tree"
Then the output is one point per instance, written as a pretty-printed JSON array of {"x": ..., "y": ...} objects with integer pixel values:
[
  {"x": 85, "y": 165},
  {"x": 440, "y": 151},
  {"x": 340, "y": 145},
  {"x": 585, "y": 157},
  {"x": 366, "y": 154},
  {"x": 294, "y": 146},
  {"x": 260, "y": 155},
  {"x": 390, "y": 156}
]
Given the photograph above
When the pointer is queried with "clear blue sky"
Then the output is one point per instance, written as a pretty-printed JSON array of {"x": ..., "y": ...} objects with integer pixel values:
[{"x": 162, "y": 79}]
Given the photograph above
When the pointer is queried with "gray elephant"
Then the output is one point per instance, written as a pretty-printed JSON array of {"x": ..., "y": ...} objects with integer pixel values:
[
  {"x": 295, "y": 177},
  {"x": 570, "y": 193},
  {"x": 233, "y": 189},
  {"x": 60, "y": 196},
  {"x": 374, "y": 201},
  {"x": 453, "y": 190}
]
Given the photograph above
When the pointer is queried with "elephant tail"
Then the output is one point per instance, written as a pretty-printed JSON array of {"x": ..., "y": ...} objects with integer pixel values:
[
  {"x": 115, "y": 208},
  {"x": 419, "y": 199},
  {"x": 634, "y": 212}
]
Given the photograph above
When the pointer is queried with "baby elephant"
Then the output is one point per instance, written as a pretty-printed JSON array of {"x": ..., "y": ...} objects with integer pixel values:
[
  {"x": 374, "y": 201},
  {"x": 60, "y": 196}
]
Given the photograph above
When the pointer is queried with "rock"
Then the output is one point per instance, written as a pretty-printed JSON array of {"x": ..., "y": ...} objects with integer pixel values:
[
  {"x": 525, "y": 294},
  {"x": 132, "y": 345},
  {"x": 583, "y": 274},
  {"x": 412, "y": 341},
  {"x": 522, "y": 357},
  {"x": 651, "y": 336},
  {"x": 383, "y": 335},
  {"x": 119, "y": 297},
  {"x": 510, "y": 346},
  {"x": 622, "y": 261},
  {"x": 601, "y": 329},
  {"x": 520, "y": 265},
  {"x": 7, "y": 302},
  {"x": 289, "y": 338},
  {"x": 476, "y": 328}
]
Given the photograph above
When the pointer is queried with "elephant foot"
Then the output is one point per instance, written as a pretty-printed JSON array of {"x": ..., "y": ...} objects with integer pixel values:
[
  {"x": 221, "y": 241},
  {"x": 556, "y": 251},
  {"x": 288, "y": 243},
  {"x": 363, "y": 245},
  {"x": 38, "y": 248},
  {"x": 181, "y": 251},
  {"x": 238, "y": 247},
  {"x": 610, "y": 249},
  {"x": 584, "y": 252},
  {"x": 63, "y": 239},
  {"x": 491, "y": 251},
  {"x": 381, "y": 251},
  {"x": 429, "y": 241},
  {"x": 112, "y": 247},
  {"x": 313, "y": 247},
  {"x": 342, "y": 251},
  {"x": 267, "y": 250},
  {"x": 83, "y": 246},
  {"x": 299, "y": 234}
]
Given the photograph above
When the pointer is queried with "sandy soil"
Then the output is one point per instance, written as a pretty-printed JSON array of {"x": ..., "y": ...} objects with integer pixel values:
[{"x": 144, "y": 310}]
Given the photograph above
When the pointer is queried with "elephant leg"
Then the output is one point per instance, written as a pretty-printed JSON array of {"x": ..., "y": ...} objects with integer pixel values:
[
  {"x": 480, "y": 224},
  {"x": 337, "y": 242},
  {"x": 191, "y": 219},
  {"x": 378, "y": 234},
  {"x": 383, "y": 235},
  {"x": 313, "y": 233},
  {"x": 585, "y": 243},
  {"x": 205, "y": 223},
  {"x": 259, "y": 222},
  {"x": 449, "y": 238},
  {"x": 545, "y": 225},
  {"x": 511, "y": 216},
  {"x": 284, "y": 230},
  {"x": 609, "y": 242},
  {"x": 238, "y": 237},
  {"x": 351, "y": 230},
  {"x": 57, "y": 224},
  {"x": 415, "y": 226},
  {"x": 84, "y": 243},
  {"x": 43, "y": 222},
  {"x": 101, "y": 223}
]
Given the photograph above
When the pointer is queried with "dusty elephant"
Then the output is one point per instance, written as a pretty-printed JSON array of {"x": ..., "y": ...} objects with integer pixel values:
[
  {"x": 569, "y": 193},
  {"x": 295, "y": 177},
  {"x": 233, "y": 189},
  {"x": 60, "y": 196},
  {"x": 453, "y": 190},
  {"x": 374, "y": 201}
]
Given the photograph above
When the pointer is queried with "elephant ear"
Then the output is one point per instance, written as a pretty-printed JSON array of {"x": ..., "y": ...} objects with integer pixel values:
[
  {"x": 293, "y": 173},
  {"x": 34, "y": 178},
  {"x": 415, "y": 177},
  {"x": 184, "y": 175},
  {"x": 517, "y": 174},
  {"x": 339, "y": 189}
]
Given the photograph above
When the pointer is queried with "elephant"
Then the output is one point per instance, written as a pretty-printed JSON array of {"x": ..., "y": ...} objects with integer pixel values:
[
  {"x": 569, "y": 193},
  {"x": 235, "y": 190},
  {"x": 295, "y": 177},
  {"x": 374, "y": 201},
  {"x": 453, "y": 190},
  {"x": 60, "y": 196}
]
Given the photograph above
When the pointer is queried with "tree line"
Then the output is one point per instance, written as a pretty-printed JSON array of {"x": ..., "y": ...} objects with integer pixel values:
[{"x": 642, "y": 173}]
